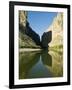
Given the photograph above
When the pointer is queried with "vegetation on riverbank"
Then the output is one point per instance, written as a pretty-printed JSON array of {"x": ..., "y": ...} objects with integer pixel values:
[{"x": 58, "y": 48}]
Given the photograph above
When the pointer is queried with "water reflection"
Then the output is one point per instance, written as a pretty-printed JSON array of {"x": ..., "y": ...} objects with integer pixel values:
[
  {"x": 46, "y": 58},
  {"x": 40, "y": 64}
]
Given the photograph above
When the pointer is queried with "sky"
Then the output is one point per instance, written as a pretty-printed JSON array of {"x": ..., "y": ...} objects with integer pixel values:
[{"x": 40, "y": 21}]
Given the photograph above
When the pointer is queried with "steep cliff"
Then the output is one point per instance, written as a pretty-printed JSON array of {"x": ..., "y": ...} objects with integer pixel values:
[
  {"x": 57, "y": 31},
  {"x": 26, "y": 42},
  {"x": 22, "y": 18},
  {"x": 46, "y": 39},
  {"x": 27, "y": 37}
]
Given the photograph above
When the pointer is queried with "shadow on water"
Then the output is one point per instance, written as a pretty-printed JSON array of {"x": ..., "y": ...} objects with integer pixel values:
[
  {"x": 40, "y": 64},
  {"x": 46, "y": 58}
]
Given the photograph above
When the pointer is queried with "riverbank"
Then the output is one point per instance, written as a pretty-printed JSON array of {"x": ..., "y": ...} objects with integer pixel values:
[{"x": 28, "y": 49}]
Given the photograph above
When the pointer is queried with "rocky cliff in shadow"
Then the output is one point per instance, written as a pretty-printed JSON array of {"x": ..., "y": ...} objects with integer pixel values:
[
  {"x": 35, "y": 37},
  {"x": 46, "y": 39},
  {"x": 27, "y": 37},
  {"x": 53, "y": 37}
]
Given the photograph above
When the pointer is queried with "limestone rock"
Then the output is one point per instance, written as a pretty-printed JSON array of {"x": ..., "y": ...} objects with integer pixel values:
[
  {"x": 22, "y": 18},
  {"x": 27, "y": 37},
  {"x": 57, "y": 30}
]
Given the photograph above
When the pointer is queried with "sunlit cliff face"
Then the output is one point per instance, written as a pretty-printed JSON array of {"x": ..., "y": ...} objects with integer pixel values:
[
  {"x": 22, "y": 18},
  {"x": 57, "y": 30}
]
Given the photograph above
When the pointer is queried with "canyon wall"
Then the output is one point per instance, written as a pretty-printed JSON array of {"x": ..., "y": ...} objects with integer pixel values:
[
  {"x": 53, "y": 37},
  {"x": 46, "y": 39},
  {"x": 57, "y": 30},
  {"x": 27, "y": 37}
]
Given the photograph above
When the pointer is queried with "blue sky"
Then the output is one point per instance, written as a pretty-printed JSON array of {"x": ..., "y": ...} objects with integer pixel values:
[{"x": 40, "y": 21}]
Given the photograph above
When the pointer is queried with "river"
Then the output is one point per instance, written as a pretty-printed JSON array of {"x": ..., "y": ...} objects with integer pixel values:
[{"x": 40, "y": 64}]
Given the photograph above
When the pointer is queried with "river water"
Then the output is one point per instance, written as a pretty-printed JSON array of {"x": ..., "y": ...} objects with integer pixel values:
[{"x": 40, "y": 64}]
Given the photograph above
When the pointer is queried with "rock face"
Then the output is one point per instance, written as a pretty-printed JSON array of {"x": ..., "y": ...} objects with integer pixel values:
[
  {"x": 27, "y": 37},
  {"x": 22, "y": 21},
  {"x": 46, "y": 38},
  {"x": 57, "y": 30},
  {"x": 22, "y": 18},
  {"x": 34, "y": 36}
]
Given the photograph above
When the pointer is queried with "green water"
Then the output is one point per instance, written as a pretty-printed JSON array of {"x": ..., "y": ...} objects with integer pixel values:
[{"x": 40, "y": 64}]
